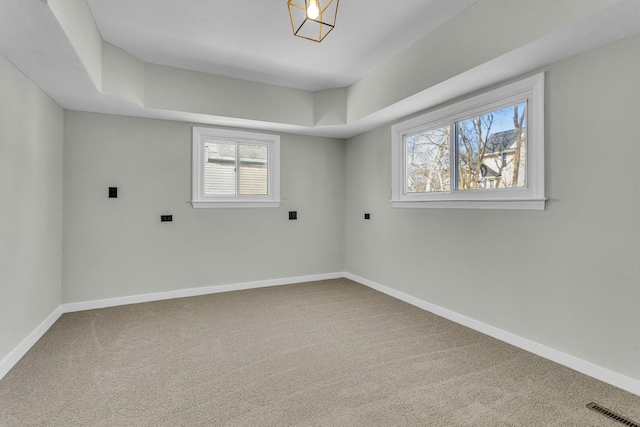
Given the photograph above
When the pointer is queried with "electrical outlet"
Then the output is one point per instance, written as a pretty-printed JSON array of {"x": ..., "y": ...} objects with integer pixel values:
[
  {"x": 166, "y": 218},
  {"x": 367, "y": 216},
  {"x": 113, "y": 192},
  {"x": 293, "y": 215}
]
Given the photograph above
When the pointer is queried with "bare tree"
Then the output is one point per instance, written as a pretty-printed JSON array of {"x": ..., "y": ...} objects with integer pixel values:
[
  {"x": 484, "y": 156},
  {"x": 428, "y": 168},
  {"x": 473, "y": 135},
  {"x": 518, "y": 123}
]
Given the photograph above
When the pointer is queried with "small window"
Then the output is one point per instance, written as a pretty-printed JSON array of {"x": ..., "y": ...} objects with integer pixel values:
[
  {"x": 485, "y": 152},
  {"x": 235, "y": 169}
]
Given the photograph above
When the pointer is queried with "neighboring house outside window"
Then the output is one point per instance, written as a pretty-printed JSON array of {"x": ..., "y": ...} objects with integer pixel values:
[{"x": 498, "y": 164}]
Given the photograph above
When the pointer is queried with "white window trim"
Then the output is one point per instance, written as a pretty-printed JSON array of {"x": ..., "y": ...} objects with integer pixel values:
[
  {"x": 530, "y": 197},
  {"x": 202, "y": 135}
]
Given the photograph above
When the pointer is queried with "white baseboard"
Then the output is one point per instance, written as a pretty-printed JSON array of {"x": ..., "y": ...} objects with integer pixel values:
[
  {"x": 626, "y": 383},
  {"x": 14, "y": 357},
  {"x": 603, "y": 374},
  {"x": 192, "y": 292}
]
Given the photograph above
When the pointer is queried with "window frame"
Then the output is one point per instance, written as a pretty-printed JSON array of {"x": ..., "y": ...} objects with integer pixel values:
[
  {"x": 204, "y": 135},
  {"x": 530, "y": 90}
]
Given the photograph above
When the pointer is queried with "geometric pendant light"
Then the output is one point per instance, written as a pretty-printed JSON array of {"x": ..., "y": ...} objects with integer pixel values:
[{"x": 312, "y": 19}]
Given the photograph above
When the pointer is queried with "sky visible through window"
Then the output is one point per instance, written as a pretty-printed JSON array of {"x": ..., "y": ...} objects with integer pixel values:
[
  {"x": 503, "y": 119},
  {"x": 490, "y": 153}
]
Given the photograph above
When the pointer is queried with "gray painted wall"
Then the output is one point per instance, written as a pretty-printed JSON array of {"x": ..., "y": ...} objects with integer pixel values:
[
  {"x": 566, "y": 277},
  {"x": 119, "y": 247},
  {"x": 30, "y": 206},
  {"x": 484, "y": 31}
]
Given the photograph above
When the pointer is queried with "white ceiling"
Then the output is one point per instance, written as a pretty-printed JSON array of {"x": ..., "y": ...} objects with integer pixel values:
[
  {"x": 253, "y": 39},
  {"x": 56, "y": 45}
]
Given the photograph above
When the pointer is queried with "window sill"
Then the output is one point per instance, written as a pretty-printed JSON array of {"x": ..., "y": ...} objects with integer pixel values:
[
  {"x": 198, "y": 204},
  {"x": 522, "y": 204}
]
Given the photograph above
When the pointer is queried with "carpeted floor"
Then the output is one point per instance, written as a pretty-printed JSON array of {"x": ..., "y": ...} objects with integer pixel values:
[{"x": 331, "y": 353}]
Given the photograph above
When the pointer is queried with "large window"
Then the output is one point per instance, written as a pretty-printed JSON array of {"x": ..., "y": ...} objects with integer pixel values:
[
  {"x": 235, "y": 169},
  {"x": 485, "y": 152}
]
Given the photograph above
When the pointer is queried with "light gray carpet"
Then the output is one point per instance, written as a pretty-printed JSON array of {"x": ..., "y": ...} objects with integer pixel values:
[{"x": 331, "y": 353}]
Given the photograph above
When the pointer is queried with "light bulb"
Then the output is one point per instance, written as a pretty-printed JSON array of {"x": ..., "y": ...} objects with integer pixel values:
[{"x": 313, "y": 11}]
